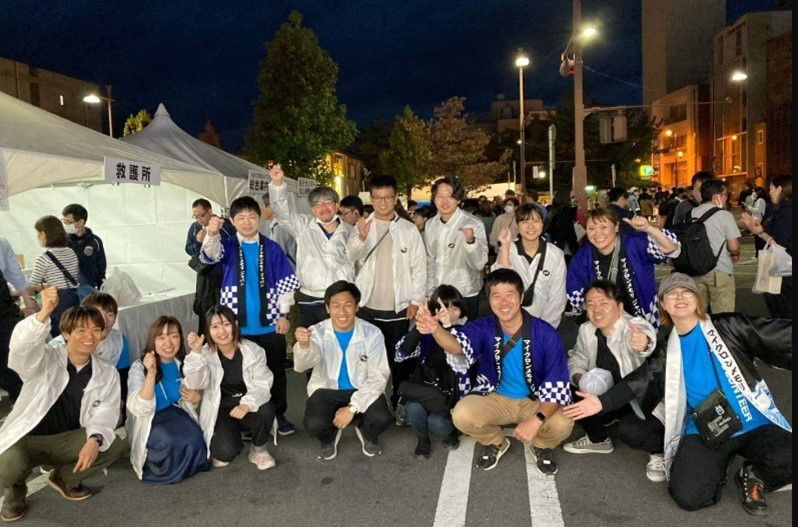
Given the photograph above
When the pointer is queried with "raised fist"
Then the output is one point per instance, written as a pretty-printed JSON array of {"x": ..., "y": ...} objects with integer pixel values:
[
  {"x": 505, "y": 237},
  {"x": 214, "y": 225},
  {"x": 276, "y": 174},
  {"x": 195, "y": 342},
  {"x": 303, "y": 336},
  {"x": 149, "y": 363},
  {"x": 639, "y": 223},
  {"x": 49, "y": 299},
  {"x": 468, "y": 234}
]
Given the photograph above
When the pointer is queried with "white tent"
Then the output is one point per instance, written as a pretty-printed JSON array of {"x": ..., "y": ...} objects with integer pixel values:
[{"x": 50, "y": 162}]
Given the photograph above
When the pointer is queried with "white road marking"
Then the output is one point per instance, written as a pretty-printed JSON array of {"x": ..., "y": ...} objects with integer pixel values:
[
  {"x": 544, "y": 502},
  {"x": 453, "y": 498}
]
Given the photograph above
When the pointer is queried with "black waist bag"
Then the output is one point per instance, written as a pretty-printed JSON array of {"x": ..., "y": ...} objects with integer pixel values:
[{"x": 716, "y": 420}]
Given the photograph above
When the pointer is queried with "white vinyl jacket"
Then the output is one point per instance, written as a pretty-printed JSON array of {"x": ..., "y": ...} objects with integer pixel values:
[
  {"x": 319, "y": 261},
  {"x": 409, "y": 262},
  {"x": 140, "y": 413},
  {"x": 43, "y": 370},
  {"x": 450, "y": 260},
  {"x": 366, "y": 361},
  {"x": 549, "y": 299},
  {"x": 203, "y": 371},
  {"x": 582, "y": 358}
]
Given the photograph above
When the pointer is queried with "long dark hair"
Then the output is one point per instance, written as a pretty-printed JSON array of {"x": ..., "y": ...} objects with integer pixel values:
[
  {"x": 156, "y": 328},
  {"x": 227, "y": 314}
]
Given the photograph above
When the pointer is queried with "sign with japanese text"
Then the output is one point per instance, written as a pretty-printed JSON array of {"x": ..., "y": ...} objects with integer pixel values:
[
  {"x": 291, "y": 185},
  {"x": 258, "y": 182},
  {"x": 127, "y": 171},
  {"x": 3, "y": 185},
  {"x": 305, "y": 185}
]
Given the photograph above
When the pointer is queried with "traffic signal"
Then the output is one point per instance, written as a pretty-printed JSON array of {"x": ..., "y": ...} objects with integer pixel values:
[
  {"x": 619, "y": 128},
  {"x": 605, "y": 129}
]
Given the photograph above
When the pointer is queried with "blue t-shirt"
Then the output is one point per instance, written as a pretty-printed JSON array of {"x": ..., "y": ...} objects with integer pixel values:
[
  {"x": 700, "y": 381},
  {"x": 124, "y": 357},
  {"x": 343, "y": 375},
  {"x": 250, "y": 253},
  {"x": 512, "y": 383},
  {"x": 327, "y": 234},
  {"x": 167, "y": 391}
]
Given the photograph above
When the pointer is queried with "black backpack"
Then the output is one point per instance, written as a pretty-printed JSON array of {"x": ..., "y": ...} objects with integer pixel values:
[{"x": 696, "y": 257}]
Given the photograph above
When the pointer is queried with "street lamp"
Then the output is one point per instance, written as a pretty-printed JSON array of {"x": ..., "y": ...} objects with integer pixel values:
[
  {"x": 521, "y": 62},
  {"x": 739, "y": 77},
  {"x": 93, "y": 98}
]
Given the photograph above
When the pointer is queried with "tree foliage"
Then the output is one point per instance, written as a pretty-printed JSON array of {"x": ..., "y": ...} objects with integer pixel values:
[
  {"x": 458, "y": 150},
  {"x": 370, "y": 143},
  {"x": 209, "y": 135},
  {"x": 136, "y": 123},
  {"x": 297, "y": 118},
  {"x": 408, "y": 155}
]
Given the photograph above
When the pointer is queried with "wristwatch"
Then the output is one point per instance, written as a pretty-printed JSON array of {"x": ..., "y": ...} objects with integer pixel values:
[
  {"x": 98, "y": 438},
  {"x": 541, "y": 416}
]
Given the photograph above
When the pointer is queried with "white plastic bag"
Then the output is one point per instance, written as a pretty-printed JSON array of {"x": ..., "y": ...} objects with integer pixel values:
[
  {"x": 120, "y": 286},
  {"x": 782, "y": 262},
  {"x": 764, "y": 282},
  {"x": 596, "y": 381}
]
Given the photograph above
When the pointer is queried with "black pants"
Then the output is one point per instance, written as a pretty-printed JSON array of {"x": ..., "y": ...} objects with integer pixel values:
[
  {"x": 226, "y": 441},
  {"x": 471, "y": 306},
  {"x": 9, "y": 380},
  {"x": 322, "y": 405},
  {"x": 310, "y": 310},
  {"x": 647, "y": 435},
  {"x": 780, "y": 306},
  {"x": 274, "y": 344},
  {"x": 393, "y": 326},
  {"x": 697, "y": 470}
]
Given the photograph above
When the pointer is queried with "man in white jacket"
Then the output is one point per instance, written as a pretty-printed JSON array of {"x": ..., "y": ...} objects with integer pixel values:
[
  {"x": 609, "y": 346},
  {"x": 66, "y": 411},
  {"x": 320, "y": 244},
  {"x": 457, "y": 247},
  {"x": 350, "y": 372},
  {"x": 392, "y": 274}
]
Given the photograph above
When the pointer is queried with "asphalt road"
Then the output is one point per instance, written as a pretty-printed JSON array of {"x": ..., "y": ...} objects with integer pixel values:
[{"x": 396, "y": 489}]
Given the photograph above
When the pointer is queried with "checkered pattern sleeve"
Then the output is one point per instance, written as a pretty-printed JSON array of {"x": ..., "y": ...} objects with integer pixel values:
[
  {"x": 655, "y": 253},
  {"x": 405, "y": 348},
  {"x": 462, "y": 361},
  {"x": 554, "y": 385},
  {"x": 577, "y": 299}
]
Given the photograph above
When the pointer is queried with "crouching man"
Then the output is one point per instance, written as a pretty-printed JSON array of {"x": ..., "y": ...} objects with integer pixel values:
[
  {"x": 350, "y": 372},
  {"x": 66, "y": 411},
  {"x": 522, "y": 376}
]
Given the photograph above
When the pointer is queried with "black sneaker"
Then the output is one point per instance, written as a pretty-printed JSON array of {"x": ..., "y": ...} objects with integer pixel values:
[
  {"x": 491, "y": 455},
  {"x": 284, "y": 426},
  {"x": 452, "y": 441},
  {"x": 401, "y": 415},
  {"x": 544, "y": 460},
  {"x": 370, "y": 448},
  {"x": 423, "y": 448},
  {"x": 330, "y": 450},
  {"x": 753, "y": 491}
]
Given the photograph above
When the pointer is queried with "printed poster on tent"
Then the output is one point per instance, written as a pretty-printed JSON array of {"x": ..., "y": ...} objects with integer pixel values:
[
  {"x": 258, "y": 182},
  {"x": 305, "y": 185},
  {"x": 128, "y": 171},
  {"x": 3, "y": 185}
]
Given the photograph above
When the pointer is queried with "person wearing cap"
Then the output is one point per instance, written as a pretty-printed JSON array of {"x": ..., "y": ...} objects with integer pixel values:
[
  {"x": 610, "y": 346},
  {"x": 626, "y": 259},
  {"x": 707, "y": 362}
]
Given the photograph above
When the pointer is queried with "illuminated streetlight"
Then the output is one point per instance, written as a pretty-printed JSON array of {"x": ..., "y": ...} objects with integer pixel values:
[
  {"x": 518, "y": 142},
  {"x": 668, "y": 132},
  {"x": 638, "y": 160},
  {"x": 734, "y": 137},
  {"x": 679, "y": 154},
  {"x": 588, "y": 32},
  {"x": 738, "y": 76},
  {"x": 93, "y": 98},
  {"x": 521, "y": 61}
]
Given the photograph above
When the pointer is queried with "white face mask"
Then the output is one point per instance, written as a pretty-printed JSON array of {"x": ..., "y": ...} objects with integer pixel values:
[
  {"x": 509, "y": 208},
  {"x": 70, "y": 228}
]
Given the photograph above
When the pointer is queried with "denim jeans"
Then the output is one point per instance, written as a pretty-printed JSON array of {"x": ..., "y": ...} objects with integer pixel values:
[{"x": 423, "y": 422}]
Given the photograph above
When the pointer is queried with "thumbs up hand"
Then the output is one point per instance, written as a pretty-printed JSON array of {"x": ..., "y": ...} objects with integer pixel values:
[{"x": 639, "y": 340}]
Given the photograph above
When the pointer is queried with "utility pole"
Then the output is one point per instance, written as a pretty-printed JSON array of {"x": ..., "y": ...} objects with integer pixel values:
[
  {"x": 579, "y": 174},
  {"x": 552, "y": 136}
]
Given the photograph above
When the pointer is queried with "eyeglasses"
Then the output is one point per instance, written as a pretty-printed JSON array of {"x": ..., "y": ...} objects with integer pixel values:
[
  {"x": 383, "y": 198},
  {"x": 673, "y": 295},
  {"x": 323, "y": 203}
]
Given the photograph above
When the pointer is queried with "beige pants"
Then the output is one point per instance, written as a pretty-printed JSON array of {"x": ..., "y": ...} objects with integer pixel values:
[
  {"x": 716, "y": 289},
  {"x": 482, "y": 417}
]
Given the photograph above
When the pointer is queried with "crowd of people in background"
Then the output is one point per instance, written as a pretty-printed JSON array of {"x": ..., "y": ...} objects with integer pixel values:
[{"x": 443, "y": 317}]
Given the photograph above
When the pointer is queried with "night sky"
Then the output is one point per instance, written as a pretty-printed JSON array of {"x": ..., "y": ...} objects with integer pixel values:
[{"x": 200, "y": 57}]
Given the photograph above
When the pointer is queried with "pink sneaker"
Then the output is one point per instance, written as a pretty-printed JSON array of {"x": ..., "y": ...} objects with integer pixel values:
[{"x": 262, "y": 460}]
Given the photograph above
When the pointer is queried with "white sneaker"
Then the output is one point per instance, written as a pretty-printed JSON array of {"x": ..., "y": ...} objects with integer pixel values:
[
  {"x": 655, "y": 468},
  {"x": 218, "y": 463},
  {"x": 584, "y": 445},
  {"x": 262, "y": 460}
]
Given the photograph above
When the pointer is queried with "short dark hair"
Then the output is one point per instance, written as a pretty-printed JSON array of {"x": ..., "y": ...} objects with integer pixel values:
[
  {"x": 609, "y": 289},
  {"x": 53, "y": 229},
  {"x": 77, "y": 315},
  {"x": 201, "y": 202},
  {"x": 458, "y": 192},
  {"x": 615, "y": 193},
  {"x": 425, "y": 211},
  {"x": 448, "y": 294},
  {"x": 710, "y": 187},
  {"x": 512, "y": 200},
  {"x": 244, "y": 203},
  {"x": 411, "y": 203},
  {"x": 102, "y": 300},
  {"x": 368, "y": 208},
  {"x": 227, "y": 314},
  {"x": 533, "y": 194},
  {"x": 525, "y": 212},
  {"x": 504, "y": 276},
  {"x": 701, "y": 175},
  {"x": 77, "y": 211},
  {"x": 341, "y": 286},
  {"x": 381, "y": 181},
  {"x": 785, "y": 182},
  {"x": 601, "y": 214},
  {"x": 509, "y": 192},
  {"x": 352, "y": 202}
]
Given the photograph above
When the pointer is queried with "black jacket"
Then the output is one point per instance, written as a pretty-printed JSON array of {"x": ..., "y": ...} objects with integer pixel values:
[{"x": 91, "y": 257}]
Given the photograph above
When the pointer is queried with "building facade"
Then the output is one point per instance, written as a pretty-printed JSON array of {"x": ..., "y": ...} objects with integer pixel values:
[
  {"x": 740, "y": 96},
  {"x": 54, "y": 92},
  {"x": 677, "y": 43},
  {"x": 349, "y": 173},
  {"x": 777, "y": 135}
]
